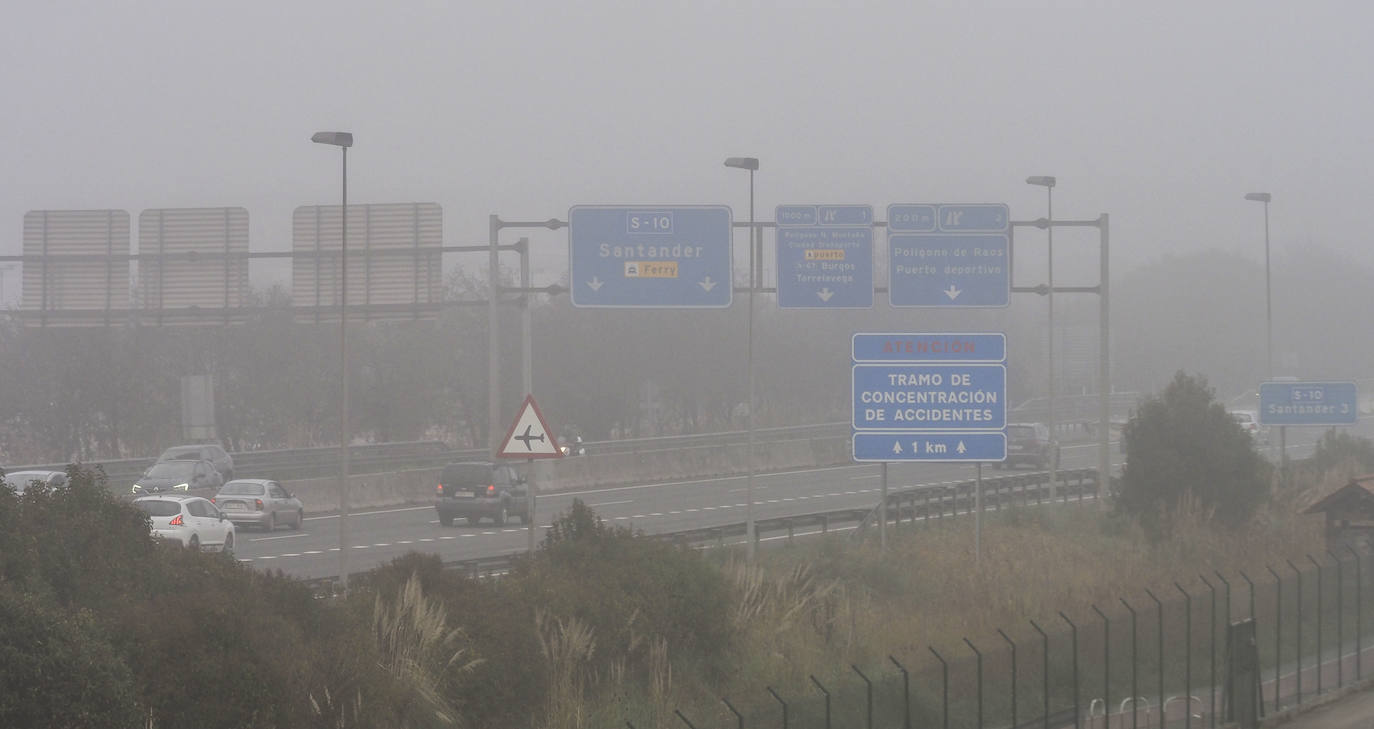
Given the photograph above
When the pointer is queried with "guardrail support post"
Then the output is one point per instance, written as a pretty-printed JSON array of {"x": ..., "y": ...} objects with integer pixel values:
[
  {"x": 1159, "y": 613},
  {"x": 1359, "y": 612},
  {"x": 738, "y": 716},
  {"x": 869, "y": 683},
  {"x": 1011, "y": 643},
  {"x": 827, "y": 700},
  {"x": 684, "y": 719},
  {"x": 780, "y": 701},
  {"x": 1212, "y": 651},
  {"x": 1314, "y": 561},
  {"x": 789, "y": 531},
  {"x": 1135, "y": 686},
  {"x": 1073, "y": 631},
  {"x": 979, "y": 655},
  {"x": 1278, "y": 635},
  {"x": 1340, "y": 620},
  {"x": 1187, "y": 658},
  {"x": 1106, "y": 669}
]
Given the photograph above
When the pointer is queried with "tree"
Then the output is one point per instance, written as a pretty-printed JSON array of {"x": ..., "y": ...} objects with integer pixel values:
[{"x": 1184, "y": 451}]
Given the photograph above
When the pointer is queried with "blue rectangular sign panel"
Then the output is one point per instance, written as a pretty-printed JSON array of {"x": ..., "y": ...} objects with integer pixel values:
[
  {"x": 948, "y": 270},
  {"x": 930, "y": 447},
  {"x": 911, "y": 218},
  {"x": 1308, "y": 403},
  {"x": 975, "y": 218},
  {"x": 930, "y": 347},
  {"x": 825, "y": 256},
  {"x": 904, "y": 397},
  {"x": 650, "y": 256}
]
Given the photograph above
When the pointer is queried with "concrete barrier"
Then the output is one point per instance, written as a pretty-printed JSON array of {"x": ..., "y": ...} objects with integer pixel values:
[{"x": 377, "y": 490}]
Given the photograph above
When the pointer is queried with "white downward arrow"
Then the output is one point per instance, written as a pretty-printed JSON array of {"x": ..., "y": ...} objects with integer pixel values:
[
  {"x": 896, "y": 447},
  {"x": 952, "y": 292},
  {"x": 825, "y": 293},
  {"x": 960, "y": 448},
  {"x": 595, "y": 283},
  {"x": 707, "y": 284}
]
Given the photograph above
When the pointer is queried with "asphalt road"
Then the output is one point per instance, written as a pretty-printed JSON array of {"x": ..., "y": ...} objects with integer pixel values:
[{"x": 380, "y": 536}]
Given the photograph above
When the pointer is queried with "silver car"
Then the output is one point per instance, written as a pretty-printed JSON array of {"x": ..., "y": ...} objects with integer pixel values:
[{"x": 259, "y": 502}]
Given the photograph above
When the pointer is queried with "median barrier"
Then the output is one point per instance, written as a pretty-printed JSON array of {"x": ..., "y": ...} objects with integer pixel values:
[{"x": 396, "y": 488}]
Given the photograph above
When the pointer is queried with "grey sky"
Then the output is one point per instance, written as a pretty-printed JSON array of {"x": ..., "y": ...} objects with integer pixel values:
[{"x": 1162, "y": 114}]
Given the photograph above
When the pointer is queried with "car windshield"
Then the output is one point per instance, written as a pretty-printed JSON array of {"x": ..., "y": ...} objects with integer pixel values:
[
  {"x": 1020, "y": 431},
  {"x": 172, "y": 469},
  {"x": 159, "y": 507},
  {"x": 242, "y": 488}
]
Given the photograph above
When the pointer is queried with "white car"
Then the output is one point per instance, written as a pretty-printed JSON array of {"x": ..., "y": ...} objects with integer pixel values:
[
  {"x": 191, "y": 521},
  {"x": 19, "y": 480},
  {"x": 1248, "y": 420}
]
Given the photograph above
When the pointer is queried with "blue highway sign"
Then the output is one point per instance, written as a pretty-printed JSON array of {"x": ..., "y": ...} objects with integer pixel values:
[
  {"x": 905, "y": 397},
  {"x": 930, "y": 446},
  {"x": 650, "y": 256},
  {"x": 949, "y": 255},
  {"x": 1308, "y": 403},
  {"x": 825, "y": 256},
  {"x": 930, "y": 347}
]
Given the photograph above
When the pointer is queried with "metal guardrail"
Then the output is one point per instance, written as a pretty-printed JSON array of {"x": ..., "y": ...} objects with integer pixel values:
[
  {"x": 298, "y": 463},
  {"x": 923, "y": 502}
]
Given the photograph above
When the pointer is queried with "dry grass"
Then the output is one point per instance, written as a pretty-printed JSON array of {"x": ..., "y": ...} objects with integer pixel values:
[{"x": 813, "y": 608}]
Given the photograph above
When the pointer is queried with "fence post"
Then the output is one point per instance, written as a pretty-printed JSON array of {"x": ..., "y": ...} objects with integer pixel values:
[
  {"x": 1159, "y": 612},
  {"x": 1187, "y": 659},
  {"x": 944, "y": 688},
  {"x": 827, "y": 700},
  {"x": 979, "y": 654},
  {"x": 1278, "y": 635},
  {"x": 906, "y": 690},
  {"x": 1299, "y": 631},
  {"x": 1314, "y": 561},
  {"x": 1227, "y": 583},
  {"x": 1077, "y": 722},
  {"x": 1135, "y": 687},
  {"x": 1340, "y": 620},
  {"x": 1212, "y": 652},
  {"x": 780, "y": 701},
  {"x": 1011, "y": 643},
  {"x": 869, "y": 724},
  {"x": 684, "y": 719},
  {"x": 1045, "y": 676},
  {"x": 1106, "y": 669},
  {"x": 1359, "y": 612},
  {"x": 738, "y": 716}
]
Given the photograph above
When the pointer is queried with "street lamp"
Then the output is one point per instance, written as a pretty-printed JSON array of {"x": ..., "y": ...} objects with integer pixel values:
[
  {"x": 342, "y": 140},
  {"x": 1264, "y": 197},
  {"x": 1048, "y": 183},
  {"x": 751, "y": 164}
]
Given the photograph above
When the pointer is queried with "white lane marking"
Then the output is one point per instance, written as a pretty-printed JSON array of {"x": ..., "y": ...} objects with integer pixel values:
[
  {"x": 512, "y": 531},
  {"x": 637, "y": 516},
  {"x": 472, "y": 535},
  {"x": 382, "y": 544},
  {"x": 272, "y": 557},
  {"x": 656, "y": 514},
  {"x": 245, "y": 559},
  {"x": 708, "y": 508},
  {"x": 693, "y": 511},
  {"x": 613, "y": 503},
  {"x": 614, "y": 489},
  {"x": 483, "y": 533},
  {"x": 448, "y": 536},
  {"x": 284, "y": 536},
  {"x": 789, "y": 498},
  {"x": 313, "y": 551},
  {"x": 860, "y": 478},
  {"x": 405, "y": 541},
  {"x": 740, "y": 506},
  {"x": 427, "y": 539},
  {"x": 674, "y": 512},
  {"x": 291, "y": 554},
  {"x": 370, "y": 513},
  {"x": 360, "y": 546},
  {"x": 621, "y": 518},
  {"x": 333, "y": 549}
]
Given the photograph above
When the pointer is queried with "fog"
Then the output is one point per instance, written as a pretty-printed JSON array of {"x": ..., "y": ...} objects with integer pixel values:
[{"x": 1163, "y": 116}]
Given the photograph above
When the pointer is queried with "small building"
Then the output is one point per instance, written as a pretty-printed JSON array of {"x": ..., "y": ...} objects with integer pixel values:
[{"x": 1349, "y": 514}]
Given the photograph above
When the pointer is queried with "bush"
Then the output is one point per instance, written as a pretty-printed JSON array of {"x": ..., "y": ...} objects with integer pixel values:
[{"x": 1184, "y": 451}]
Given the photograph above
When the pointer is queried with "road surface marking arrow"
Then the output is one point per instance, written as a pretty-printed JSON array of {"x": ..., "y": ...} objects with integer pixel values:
[
  {"x": 825, "y": 293},
  {"x": 707, "y": 284},
  {"x": 952, "y": 292},
  {"x": 595, "y": 283}
]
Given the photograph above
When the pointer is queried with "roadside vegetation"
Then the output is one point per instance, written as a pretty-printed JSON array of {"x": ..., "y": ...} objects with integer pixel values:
[{"x": 603, "y": 625}]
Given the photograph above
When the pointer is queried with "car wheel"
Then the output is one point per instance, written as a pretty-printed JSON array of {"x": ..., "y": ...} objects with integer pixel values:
[
  {"x": 228, "y": 543},
  {"x": 500, "y": 517},
  {"x": 194, "y": 543},
  {"x": 272, "y": 522},
  {"x": 445, "y": 520},
  {"x": 300, "y": 519}
]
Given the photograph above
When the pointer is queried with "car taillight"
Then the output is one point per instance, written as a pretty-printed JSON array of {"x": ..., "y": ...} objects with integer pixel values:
[
  {"x": 258, "y": 504},
  {"x": 212, "y": 500},
  {"x": 491, "y": 488},
  {"x": 176, "y": 521},
  {"x": 439, "y": 489}
]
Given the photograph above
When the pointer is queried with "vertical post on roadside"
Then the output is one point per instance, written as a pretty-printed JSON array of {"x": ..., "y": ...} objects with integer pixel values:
[
  {"x": 882, "y": 515},
  {"x": 978, "y": 514},
  {"x": 527, "y": 376}
]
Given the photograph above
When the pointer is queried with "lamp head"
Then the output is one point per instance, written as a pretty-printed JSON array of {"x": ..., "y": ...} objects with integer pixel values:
[
  {"x": 1041, "y": 180},
  {"x": 338, "y": 139},
  {"x": 1263, "y": 197},
  {"x": 743, "y": 163}
]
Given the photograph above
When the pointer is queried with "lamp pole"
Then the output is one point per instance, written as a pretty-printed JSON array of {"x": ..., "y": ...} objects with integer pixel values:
[
  {"x": 1048, "y": 183},
  {"x": 751, "y": 164},
  {"x": 1264, "y": 197},
  {"x": 342, "y": 140}
]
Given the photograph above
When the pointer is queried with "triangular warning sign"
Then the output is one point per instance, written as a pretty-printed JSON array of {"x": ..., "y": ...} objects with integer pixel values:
[{"x": 529, "y": 435}]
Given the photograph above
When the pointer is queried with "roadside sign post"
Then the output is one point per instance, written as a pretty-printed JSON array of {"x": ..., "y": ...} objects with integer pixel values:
[
  {"x": 930, "y": 397},
  {"x": 529, "y": 438},
  {"x": 1306, "y": 403}
]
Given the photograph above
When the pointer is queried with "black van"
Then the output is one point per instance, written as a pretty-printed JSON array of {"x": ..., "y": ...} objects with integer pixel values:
[{"x": 477, "y": 489}]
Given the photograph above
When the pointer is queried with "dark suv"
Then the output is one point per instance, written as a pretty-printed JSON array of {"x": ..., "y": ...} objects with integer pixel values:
[
  {"x": 1030, "y": 443},
  {"x": 476, "y": 489}
]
